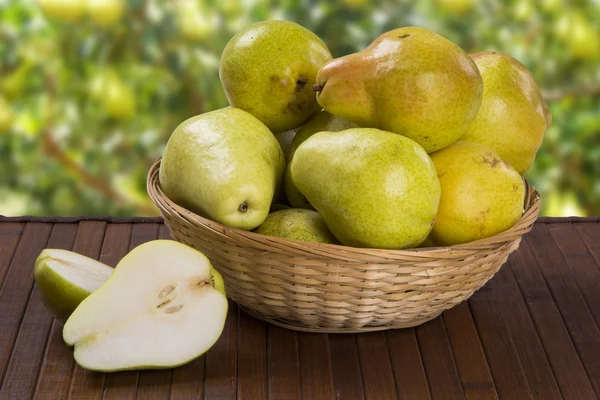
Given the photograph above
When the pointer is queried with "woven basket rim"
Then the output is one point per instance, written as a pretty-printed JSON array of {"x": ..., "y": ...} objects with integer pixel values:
[{"x": 531, "y": 209}]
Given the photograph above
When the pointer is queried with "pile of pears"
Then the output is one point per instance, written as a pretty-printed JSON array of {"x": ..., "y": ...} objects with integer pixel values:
[{"x": 408, "y": 143}]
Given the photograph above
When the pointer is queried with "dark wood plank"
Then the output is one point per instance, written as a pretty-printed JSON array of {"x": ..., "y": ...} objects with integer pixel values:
[
  {"x": 375, "y": 367},
  {"x": 566, "y": 365},
  {"x": 89, "y": 242},
  {"x": 589, "y": 233},
  {"x": 503, "y": 290},
  {"x": 407, "y": 365},
  {"x": 284, "y": 364},
  {"x": 570, "y": 302},
  {"x": 251, "y": 358},
  {"x": 220, "y": 361},
  {"x": 499, "y": 348},
  {"x": 438, "y": 360},
  {"x": 187, "y": 381},
  {"x": 345, "y": 367},
  {"x": 155, "y": 384},
  {"x": 468, "y": 354},
  {"x": 10, "y": 233},
  {"x": 163, "y": 232},
  {"x": 24, "y": 366},
  {"x": 316, "y": 377},
  {"x": 123, "y": 384},
  {"x": 580, "y": 262},
  {"x": 17, "y": 286}
]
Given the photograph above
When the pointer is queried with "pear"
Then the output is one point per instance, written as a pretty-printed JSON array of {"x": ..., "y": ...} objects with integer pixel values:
[
  {"x": 269, "y": 68},
  {"x": 225, "y": 165},
  {"x": 513, "y": 116},
  {"x": 163, "y": 306},
  {"x": 482, "y": 195},
  {"x": 65, "y": 278},
  {"x": 409, "y": 81},
  {"x": 297, "y": 224},
  {"x": 320, "y": 122},
  {"x": 373, "y": 188}
]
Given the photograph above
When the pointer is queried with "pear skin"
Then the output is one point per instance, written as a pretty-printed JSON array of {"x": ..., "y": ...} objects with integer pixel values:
[
  {"x": 482, "y": 195},
  {"x": 269, "y": 68},
  {"x": 297, "y": 224},
  {"x": 409, "y": 81},
  {"x": 513, "y": 116},
  {"x": 320, "y": 122},
  {"x": 373, "y": 188},
  {"x": 65, "y": 278},
  {"x": 224, "y": 165}
]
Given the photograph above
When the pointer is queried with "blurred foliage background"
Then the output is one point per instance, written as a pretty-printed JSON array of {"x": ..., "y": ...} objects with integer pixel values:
[{"x": 90, "y": 90}]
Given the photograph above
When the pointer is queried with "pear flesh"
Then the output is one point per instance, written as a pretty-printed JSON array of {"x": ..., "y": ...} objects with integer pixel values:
[
  {"x": 65, "y": 278},
  {"x": 373, "y": 188},
  {"x": 163, "y": 306},
  {"x": 409, "y": 81}
]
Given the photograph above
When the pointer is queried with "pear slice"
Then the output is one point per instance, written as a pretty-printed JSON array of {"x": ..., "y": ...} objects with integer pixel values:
[
  {"x": 65, "y": 278},
  {"x": 163, "y": 306}
]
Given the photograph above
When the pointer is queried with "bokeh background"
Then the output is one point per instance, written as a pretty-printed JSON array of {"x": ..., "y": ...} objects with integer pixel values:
[{"x": 90, "y": 90}]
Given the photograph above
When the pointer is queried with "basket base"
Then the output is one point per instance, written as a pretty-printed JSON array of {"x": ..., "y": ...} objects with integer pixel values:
[{"x": 297, "y": 326}]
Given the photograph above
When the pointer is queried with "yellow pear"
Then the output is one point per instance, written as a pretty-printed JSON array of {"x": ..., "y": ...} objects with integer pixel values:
[
  {"x": 482, "y": 195},
  {"x": 513, "y": 116},
  {"x": 409, "y": 81}
]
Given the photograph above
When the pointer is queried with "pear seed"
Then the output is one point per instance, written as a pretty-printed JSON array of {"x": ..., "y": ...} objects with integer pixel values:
[
  {"x": 164, "y": 303},
  {"x": 166, "y": 291},
  {"x": 173, "y": 309}
]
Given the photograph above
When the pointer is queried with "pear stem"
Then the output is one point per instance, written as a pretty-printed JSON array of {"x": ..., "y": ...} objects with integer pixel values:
[{"x": 317, "y": 88}]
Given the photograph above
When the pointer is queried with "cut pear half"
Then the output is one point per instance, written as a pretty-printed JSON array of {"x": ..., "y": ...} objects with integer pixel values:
[
  {"x": 163, "y": 306},
  {"x": 65, "y": 278}
]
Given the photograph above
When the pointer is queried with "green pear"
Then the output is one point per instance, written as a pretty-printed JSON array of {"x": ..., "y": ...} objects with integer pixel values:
[
  {"x": 269, "y": 68},
  {"x": 64, "y": 279},
  {"x": 513, "y": 116},
  {"x": 373, "y": 188},
  {"x": 482, "y": 195},
  {"x": 297, "y": 224},
  {"x": 225, "y": 165},
  {"x": 409, "y": 81},
  {"x": 320, "y": 122},
  {"x": 163, "y": 306}
]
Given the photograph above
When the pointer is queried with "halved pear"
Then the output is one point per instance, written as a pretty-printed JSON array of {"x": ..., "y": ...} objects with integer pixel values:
[
  {"x": 163, "y": 306},
  {"x": 65, "y": 278}
]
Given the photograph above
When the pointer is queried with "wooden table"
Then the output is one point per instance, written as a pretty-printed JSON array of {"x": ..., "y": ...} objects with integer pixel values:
[{"x": 531, "y": 332}]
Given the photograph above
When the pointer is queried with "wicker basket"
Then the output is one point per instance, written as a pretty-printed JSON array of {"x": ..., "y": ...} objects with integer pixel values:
[{"x": 319, "y": 287}]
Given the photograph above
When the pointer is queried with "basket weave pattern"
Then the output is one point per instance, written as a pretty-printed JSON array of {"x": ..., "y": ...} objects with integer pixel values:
[{"x": 331, "y": 288}]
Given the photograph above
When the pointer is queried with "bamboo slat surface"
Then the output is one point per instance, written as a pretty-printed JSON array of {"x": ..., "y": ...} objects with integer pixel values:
[{"x": 532, "y": 332}]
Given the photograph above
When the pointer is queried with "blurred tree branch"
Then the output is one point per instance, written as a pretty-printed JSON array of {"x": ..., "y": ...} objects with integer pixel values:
[
  {"x": 558, "y": 94},
  {"x": 54, "y": 150}
]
